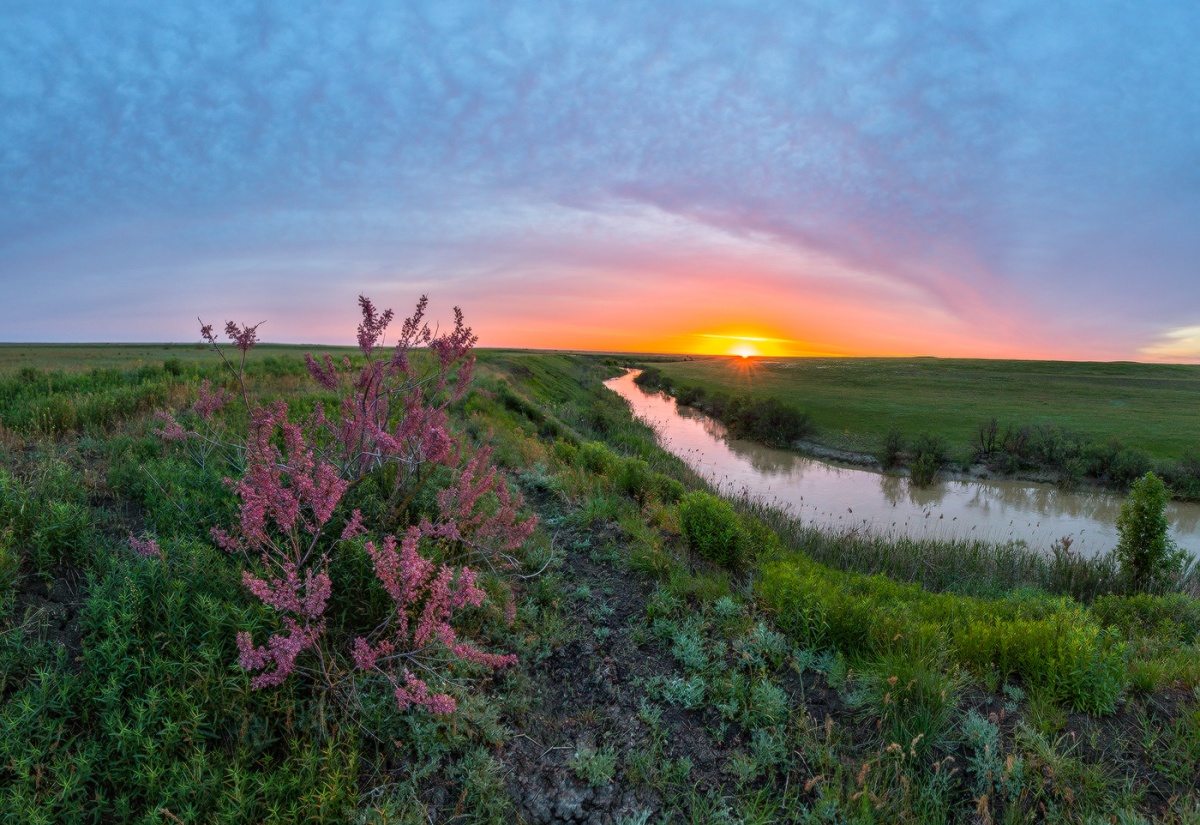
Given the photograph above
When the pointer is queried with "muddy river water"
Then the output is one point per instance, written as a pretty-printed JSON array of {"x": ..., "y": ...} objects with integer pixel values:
[{"x": 843, "y": 497}]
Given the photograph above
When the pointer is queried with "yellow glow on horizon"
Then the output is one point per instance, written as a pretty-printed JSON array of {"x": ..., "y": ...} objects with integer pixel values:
[{"x": 746, "y": 342}]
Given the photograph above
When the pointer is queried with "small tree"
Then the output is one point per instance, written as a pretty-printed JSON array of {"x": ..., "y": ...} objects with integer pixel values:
[{"x": 1148, "y": 556}]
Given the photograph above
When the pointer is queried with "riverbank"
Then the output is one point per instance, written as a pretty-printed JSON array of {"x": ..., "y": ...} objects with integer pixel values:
[
  {"x": 831, "y": 493},
  {"x": 1071, "y": 438},
  {"x": 974, "y": 472}
]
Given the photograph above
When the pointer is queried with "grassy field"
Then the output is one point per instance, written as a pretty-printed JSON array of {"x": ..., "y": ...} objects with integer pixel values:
[
  {"x": 680, "y": 658},
  {"x": 83, "y": 357},
  {"x": 853, "y": 401}
]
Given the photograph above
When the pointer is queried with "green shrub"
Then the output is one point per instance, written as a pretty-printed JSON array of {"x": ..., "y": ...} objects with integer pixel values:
[
  {"x": 565, "y": 451},
  {"x": 634, "y": 478},
  {"x": 1129, "y": 465},
  {"x": 712, "y": 528},
  {"x": 893, "y": 447},
  {"x": 1077, "y": 663},
  {"x": 1175, "y": 616},
  {"x": 596, "y": 458},
  {"x": 668, "y": 490},
  {"x": 1147, "y": 555},
  {"x": 929, "y": 456},
  {"x": 53, "y": 416},
  {"x": 766, "y": 420},
  {"x": 653, "y": 378}
]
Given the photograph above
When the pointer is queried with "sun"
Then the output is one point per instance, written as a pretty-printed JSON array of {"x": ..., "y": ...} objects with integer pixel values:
[{"x": 744, "y": 350}]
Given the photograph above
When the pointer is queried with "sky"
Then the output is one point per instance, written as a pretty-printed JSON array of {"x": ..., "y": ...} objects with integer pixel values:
[{"x": 850, "y": 177}]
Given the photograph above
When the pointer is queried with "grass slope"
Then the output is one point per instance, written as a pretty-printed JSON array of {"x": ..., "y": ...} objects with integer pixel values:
[{"x": 655, "y": 684}]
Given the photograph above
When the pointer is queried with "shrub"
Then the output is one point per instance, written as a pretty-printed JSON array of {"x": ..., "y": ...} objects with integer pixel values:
[
  {"x": 298, "y": 535},
  {"x": 893, "y": 447},
  {"x": 767, "y": 420},
  {"x": 565, "y": 451},
  {"x": 596, "y": 458},
  {"x": 712, "y": 528},
  {"x": 635, "y": 479},
  {"x": 668, "y": 489},
  {"x": 1174, "y": 616},
  {"x": 1147, "y": 555},
  {"x": 929, "y": 456},
  {"x": 1129, "y": 465},
  {"x": 653, "y": 378}
]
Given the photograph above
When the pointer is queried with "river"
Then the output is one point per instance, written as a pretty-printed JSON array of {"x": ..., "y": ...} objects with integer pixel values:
[{"x": 840, "y": 497}]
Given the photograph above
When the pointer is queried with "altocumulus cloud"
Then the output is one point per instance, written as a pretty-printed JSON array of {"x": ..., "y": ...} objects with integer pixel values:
[{"x": 1001, "y": 178}]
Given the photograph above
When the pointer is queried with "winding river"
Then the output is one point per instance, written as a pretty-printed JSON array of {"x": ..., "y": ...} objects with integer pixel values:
[{"x": 844, "y": 498}]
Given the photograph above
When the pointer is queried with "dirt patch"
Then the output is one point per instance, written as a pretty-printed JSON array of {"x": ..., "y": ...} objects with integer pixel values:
[
  {"x": 587, "y": 700},
  {"x": 52, "y": 611}
]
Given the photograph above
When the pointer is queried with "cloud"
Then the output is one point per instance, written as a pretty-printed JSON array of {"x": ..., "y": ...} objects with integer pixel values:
[
  {"x": 1181, "y": 344},
  {"x": 1017, "y": 171}
]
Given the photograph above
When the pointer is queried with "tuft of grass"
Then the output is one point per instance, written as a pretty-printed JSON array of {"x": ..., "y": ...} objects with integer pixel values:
[
  {"x": 596, "y": 767},
  {"x": 912, "y": 696},
  {"x": 712, "y": 529}
]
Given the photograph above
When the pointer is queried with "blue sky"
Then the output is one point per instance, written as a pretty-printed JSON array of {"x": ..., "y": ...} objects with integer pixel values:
[{"x": 1003, "y": 178}]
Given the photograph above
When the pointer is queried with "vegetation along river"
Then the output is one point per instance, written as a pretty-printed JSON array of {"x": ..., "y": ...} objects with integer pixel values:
[{"x": 846, "y": 498}]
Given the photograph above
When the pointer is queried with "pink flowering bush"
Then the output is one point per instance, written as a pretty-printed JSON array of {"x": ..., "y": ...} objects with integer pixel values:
[{"x": 295, "y": 527}]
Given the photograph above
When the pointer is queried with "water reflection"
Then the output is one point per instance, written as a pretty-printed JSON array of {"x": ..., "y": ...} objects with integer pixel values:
[{"x": 854, "y": 498}]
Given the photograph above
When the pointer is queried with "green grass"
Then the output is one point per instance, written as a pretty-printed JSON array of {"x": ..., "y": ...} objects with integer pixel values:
[
  {"x": 853, "y": 401},
  {"x": 86, "y": 357},
  {"x": 811, "y": 687}
]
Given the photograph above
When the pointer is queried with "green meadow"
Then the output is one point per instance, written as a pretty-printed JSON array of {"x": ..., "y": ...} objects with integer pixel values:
[
  {"x": 853, "y": 401},
  {"x": 679, "y": 657}
]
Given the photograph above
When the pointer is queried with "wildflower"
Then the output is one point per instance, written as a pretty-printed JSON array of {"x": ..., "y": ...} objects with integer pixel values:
[{"x": 146, "y": 548}]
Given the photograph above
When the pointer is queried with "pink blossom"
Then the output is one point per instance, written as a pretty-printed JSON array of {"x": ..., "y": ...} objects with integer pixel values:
[
  {"x": 325, "y": 373},
  {"x": 416, "y": 692},
  {"x": 353, "y": 526},
  {"x": 171, "y": 430},
  {"x": 281, "y": 651},
  {"x": 288, "y": 593},
  {"x": 146, "y": 548},
  {"x": 244, "y": 338},
  {"x": 210, "y": 401}
]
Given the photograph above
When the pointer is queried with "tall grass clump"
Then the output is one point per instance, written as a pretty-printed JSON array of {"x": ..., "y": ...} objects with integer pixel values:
[
  {"x": 912, "y": 696},
  {"x": 1048, "y": 641},
  {"x": 713, "y": 529},
  {"x": 54, "y": 404},
  {"x": 965, "y": 566}
]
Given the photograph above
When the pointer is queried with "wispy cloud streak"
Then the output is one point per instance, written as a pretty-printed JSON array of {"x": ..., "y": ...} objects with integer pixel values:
[{"x": 1012, "y": 177}]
